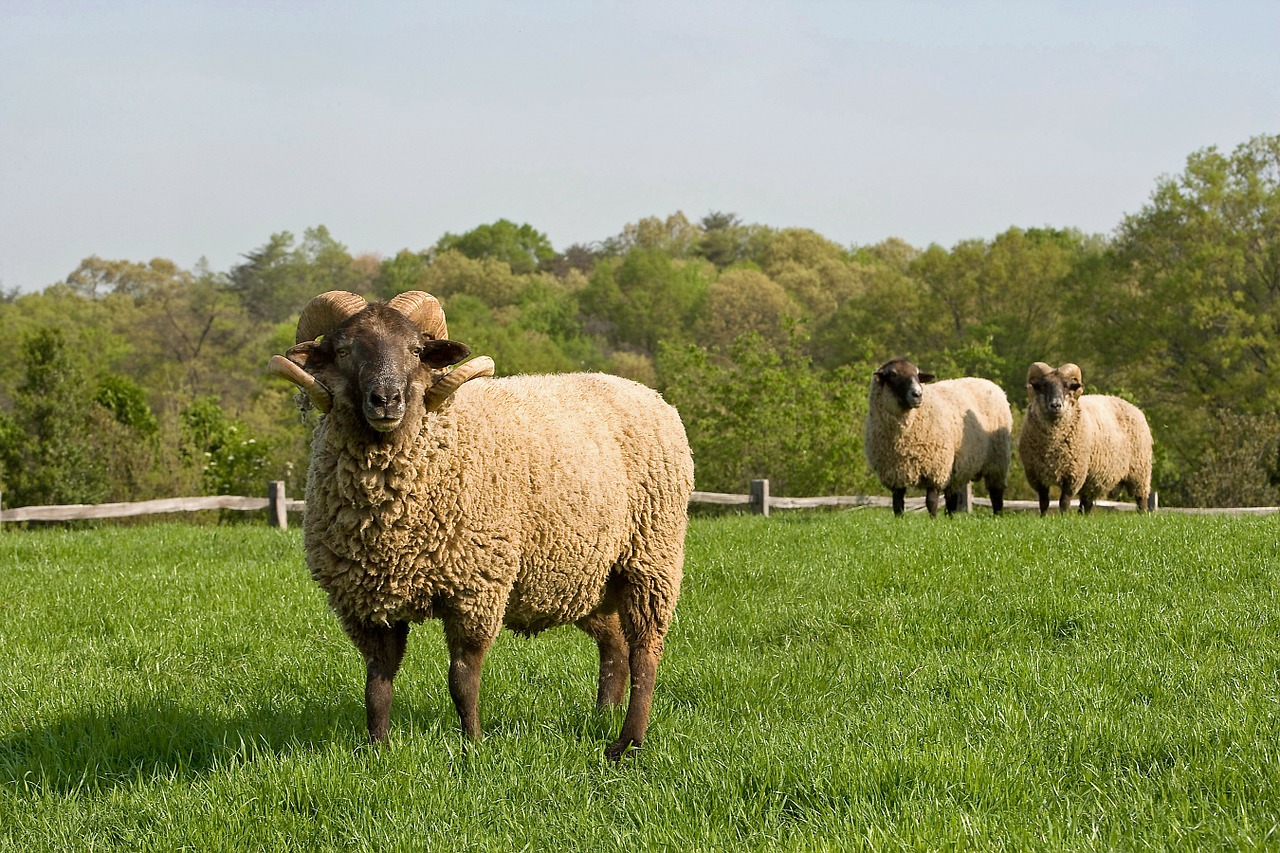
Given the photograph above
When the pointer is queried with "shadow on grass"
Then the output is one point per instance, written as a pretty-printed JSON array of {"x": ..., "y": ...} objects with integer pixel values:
[{"x": 94, "y": 749}]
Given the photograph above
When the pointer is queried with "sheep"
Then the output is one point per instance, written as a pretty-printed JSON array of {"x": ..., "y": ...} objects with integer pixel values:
[
  {"x": 529, "y": 501},
  {"x": 958, "y": 431},
  {"x": 1086, "y": 444}
]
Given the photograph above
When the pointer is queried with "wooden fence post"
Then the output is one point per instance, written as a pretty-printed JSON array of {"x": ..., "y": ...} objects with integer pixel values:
[
  {"x": 277, "y": 515},
  {"x": 760, "y": 497},
  {"x": 1153, "y": 502}
]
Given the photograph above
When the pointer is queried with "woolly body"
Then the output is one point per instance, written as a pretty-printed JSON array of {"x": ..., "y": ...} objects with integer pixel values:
[
  {"x": 512, "y": 504},
  {"x": 1098, "y": 444},
  {"x": 960, "y": 432},
  {"x": 530, "y": 501}
]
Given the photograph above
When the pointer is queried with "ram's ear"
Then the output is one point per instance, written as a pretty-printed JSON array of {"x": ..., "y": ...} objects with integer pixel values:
[
  {"x": 310, "y": 354},
  {"x": 926, "y": 378},
  {"x": 439, "y": 354}
]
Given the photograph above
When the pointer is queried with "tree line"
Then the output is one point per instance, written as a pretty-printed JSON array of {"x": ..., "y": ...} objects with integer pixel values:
[{"x": 131, "y": 380}]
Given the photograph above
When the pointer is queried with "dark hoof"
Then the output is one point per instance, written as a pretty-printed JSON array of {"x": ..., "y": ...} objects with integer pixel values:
[{"x": 620, "y": 748}]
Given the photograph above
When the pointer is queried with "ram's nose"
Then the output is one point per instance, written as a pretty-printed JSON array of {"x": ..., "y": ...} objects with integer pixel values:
[{"x": 384, "y": 408}]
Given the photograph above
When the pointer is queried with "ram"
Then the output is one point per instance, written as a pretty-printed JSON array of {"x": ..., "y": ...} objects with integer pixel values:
[
  {"x": 528, "y": 502},
  {"x": 940, "y": 439},
  {"x": 1086, "y": 444}
]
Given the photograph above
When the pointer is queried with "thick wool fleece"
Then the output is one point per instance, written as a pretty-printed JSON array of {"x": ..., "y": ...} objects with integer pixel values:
[
  {"x": 512, "y": 504},
  {"x": 1098, "y": 444},
  {"x": 961, "y": 432}
]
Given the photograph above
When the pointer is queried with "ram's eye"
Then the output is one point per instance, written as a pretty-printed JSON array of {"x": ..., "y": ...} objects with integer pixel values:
[
  {"x": 416, "y": 349},
  {"x": 343, "y": 352}
]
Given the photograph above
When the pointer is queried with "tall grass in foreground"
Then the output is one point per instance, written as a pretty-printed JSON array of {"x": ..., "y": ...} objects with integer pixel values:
[{"x": 832, "y": 681}]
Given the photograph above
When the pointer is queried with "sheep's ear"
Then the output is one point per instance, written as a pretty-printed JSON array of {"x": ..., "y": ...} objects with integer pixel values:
[
  {"x": 926, "y": 378},
  {"x": 440, "y": 354},
  {"x": 311, "y": 354},
  {"x": 878, "y": 376}
]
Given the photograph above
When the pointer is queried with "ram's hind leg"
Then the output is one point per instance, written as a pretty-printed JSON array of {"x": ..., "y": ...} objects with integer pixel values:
[
  {"x": 996, "y": 493},
  {"x": 615, "y": 668},
  {"x": 383, "y": 649},
  {"x": 647, "y": 599}
]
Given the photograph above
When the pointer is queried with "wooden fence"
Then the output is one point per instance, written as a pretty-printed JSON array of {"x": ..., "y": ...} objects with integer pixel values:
[{"x": 757, "y": 500}]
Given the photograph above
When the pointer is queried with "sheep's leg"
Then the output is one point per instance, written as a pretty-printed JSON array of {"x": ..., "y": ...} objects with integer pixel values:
[
  {"x": 953, "y": 501},
  {"x": 1043, "y": 493},
  {"x": 646, "y": 608},
  {"x": 383, "y": 649},
  {"x": 466, "y": 657},
  {"x": 899, "y": 501},
  {"x": 931, "y": 500},
  {"x": 997, "y": 499},
  {"x": 615, "y": 669},
  {"x": 1064, "y": 499},
  {"x": 644, "y": 674},
  {"x": 1086, "y": 504}
]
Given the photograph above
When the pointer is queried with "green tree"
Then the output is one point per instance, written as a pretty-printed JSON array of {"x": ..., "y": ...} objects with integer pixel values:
[
  {"x": 127, "y": 403},
  {"x": 521, "y": 247},
  {"x": 403, "y": 272},
  {"x": 646, "y": 297},
  {"x": 761, "y": 412},
  {"x": 1191, "y": 320},
  {"x": 675, "y": 236},
  {"x": 48, "y": 455},
  {"x": 277, "y": 279},
  {"x": 742, "y": 301},
  {"x": 232, "y": 460},
  {"x": 95, "y": 278}
]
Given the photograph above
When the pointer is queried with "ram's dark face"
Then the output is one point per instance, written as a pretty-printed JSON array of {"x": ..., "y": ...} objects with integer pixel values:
[
  {"x": 903, "y": 381},
  {"x": 379, "y": 364},
  {"x": 1053, "y": 393}
]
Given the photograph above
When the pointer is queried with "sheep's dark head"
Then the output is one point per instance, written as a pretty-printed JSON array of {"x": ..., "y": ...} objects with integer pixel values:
[
  {"x": 903, "y": 381},
  {"x": 382, "y": 361},
  {"x": 1054, "y": 391}
]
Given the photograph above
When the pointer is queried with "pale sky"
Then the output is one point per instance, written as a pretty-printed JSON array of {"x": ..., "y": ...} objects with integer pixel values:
[{"x": 187, "y": 129}]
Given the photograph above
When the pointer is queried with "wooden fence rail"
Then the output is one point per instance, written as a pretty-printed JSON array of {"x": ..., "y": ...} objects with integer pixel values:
[
  {"x": 275, "y": 502},
  {"x": 758, "y": 500}
]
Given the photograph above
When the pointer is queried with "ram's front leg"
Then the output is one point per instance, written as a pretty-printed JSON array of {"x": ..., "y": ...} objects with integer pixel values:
[
  {"x": 1064, "y": 499},
  {"x": 383, "y": 649},
  {"x": 467, "y": 649},
  {"x": 931, "y": 500}
]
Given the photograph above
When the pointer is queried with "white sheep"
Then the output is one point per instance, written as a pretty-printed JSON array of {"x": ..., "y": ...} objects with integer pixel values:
[
  {"x": 529, "y": 502},
  {"x": 940, "y": 439},
  {"x": 1086, "y": 444}
]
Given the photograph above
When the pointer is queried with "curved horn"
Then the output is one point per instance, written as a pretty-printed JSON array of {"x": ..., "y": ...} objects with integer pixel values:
[
  {"x": 1070, "y": 370},
  {"x": 450, "y": 382},
  {"x": 283, "y": 367},
  {"x": 326, "y": 312},
  {"x": 1039, "y": 370},
  {"x": 425, "y": 312}
]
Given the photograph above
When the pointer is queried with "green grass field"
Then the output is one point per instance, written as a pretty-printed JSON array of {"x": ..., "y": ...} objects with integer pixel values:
[{"x": 833, "y": 681}]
